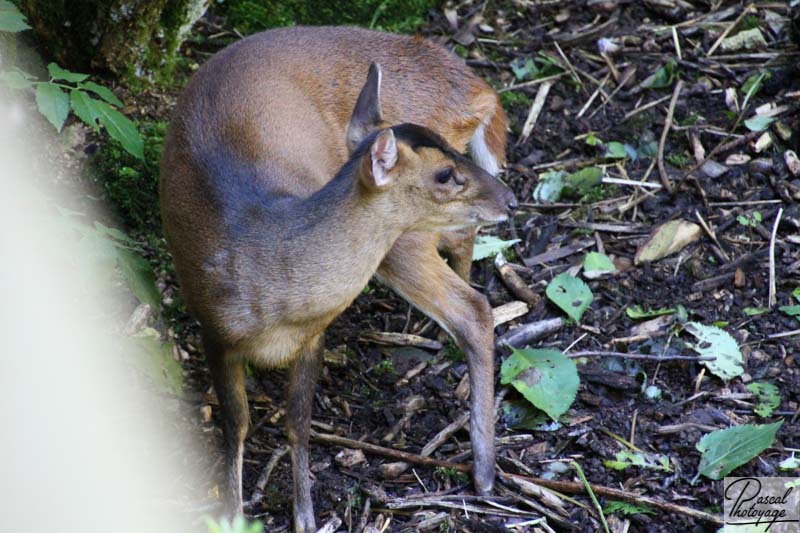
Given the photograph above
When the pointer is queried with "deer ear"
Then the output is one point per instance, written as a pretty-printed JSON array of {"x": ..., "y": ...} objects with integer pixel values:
[
  {"x": 367, "y": 115},
  {"x": 383, "y": 158}
]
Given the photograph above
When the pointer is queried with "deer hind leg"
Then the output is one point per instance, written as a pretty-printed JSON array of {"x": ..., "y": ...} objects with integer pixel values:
[
  {"x": 303, "y": 375},
  {"x": 228, "y": 375},
  {"x": 415, "y": 270}
]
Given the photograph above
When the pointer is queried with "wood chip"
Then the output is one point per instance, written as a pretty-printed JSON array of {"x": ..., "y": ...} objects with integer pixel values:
[
  {"x": 509, "y": 311},
  {"x": 737, "y": 159},
  {"x": 792, "y": 162}
]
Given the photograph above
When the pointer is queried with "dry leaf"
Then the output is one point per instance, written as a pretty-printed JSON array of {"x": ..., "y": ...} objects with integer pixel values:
[
  {"x": 654, "y": 327},
  {"x": 667, "y": 239},
  {"x": 349, "y": 458}
]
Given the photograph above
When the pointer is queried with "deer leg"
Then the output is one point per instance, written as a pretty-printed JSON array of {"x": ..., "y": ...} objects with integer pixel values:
[
  {"x": 303, "y": 375},
  {"x": 415, "y": 270},
  {"x": 228, "y": 375},
  {"x": 457, "y": 247}
]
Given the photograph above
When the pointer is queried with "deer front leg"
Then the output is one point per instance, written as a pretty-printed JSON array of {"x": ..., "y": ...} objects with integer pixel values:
[
  {"x": 457, "y": 247},
  {"x": 415, "y": 270},
  {"x": 303, "y": 375}
]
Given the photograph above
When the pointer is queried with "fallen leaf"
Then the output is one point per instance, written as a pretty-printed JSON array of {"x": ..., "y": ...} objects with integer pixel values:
[
  {"x": 667, "y": 239},
  {"x": 744, "y": 40}
]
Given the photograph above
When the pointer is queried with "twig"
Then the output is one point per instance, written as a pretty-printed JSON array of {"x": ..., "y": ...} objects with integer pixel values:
[
  {"x": 772, "y": 298},
  {"x": 594, "y": 95},
  {"x": 784, "y": 334},
  {"x": 569, "y": 487},
  {"x": 399, "y": 339},
  {"x": 570, "y": 67},
  {"x": 728, "y": 30},
  {"x": 387, "y": 452},
  {"x": 645, "y": 107},
  {"x": 263, "y": 479},
  {"x": 662, "y": 171},
  {"x": 515, "y": 284},
  {"x": 528, "y": 333},
  {"x": 532, "y": 83},
  {"x": 743, "y": 203},
  {"x": 536, "y": 108},
  {"x": 711, "y": 235},
  {"x": 677, "y": 43},
  {"x": 632, "y": 183},
  {"x": 641, "y": 356}
]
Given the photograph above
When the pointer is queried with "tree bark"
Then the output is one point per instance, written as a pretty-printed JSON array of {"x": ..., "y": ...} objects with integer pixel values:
[{"x": 131, "y": 38}]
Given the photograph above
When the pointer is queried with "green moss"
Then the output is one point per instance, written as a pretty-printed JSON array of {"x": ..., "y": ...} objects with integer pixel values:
[
  {"x": 131, "y": 185},
  {"x": 402, "y": 16},
  {"x": 133, "y": 39}
]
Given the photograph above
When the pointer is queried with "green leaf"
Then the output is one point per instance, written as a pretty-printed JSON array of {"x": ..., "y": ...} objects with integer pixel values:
[
  {"x": 790, "y": 463},
  {"x": 714, "y": 342},
  {"x": 102, "y": 92},
  {"x": 662, "y": 78},
  {"x": 755, "y": 311},
  {"x": 768, "y": 396},
  {"x": 239, "y": 525},
  {"x": 796, "y": 293},
  {"x": 524, "y": 68},
  {"x": 649, "y": 149},
  {"x": 11, "y": 19},
  {"x": 597, "y": 262},
  {"x": 53, "y": 103},
  {"x": 83, "y": 107},
  {"x": 549, "y": 187},
  {"x": 520, "y": 414},
  {"x": 626, "y": 458},
  {"x": 155, "y": 359},
  {"x": 726, "y": 449},
  {"x": 752, "y": 85},
  {"x": 593, "y": 140},
  {"x": 652, "y": 392},
  {"x": 120, "y": 128},
  {"x": 490, "y": 246},
  {"x": 16, "y": 79},
  {"x": 637, "y": 312},
  {"x": 583, "y": 181},
  {"x": 758, "y": 122},
  {"x": 139, "y": 277},
  {"x": 791, "y": 310},
  {"x": 626, "y": 508},
  {"x": 571, "y": 294},
  {"x": 58, "y": 73},
  {"x": 121, "y": 238},
  {"x": 546, "y": 378},
  {"x": 615, "y": 150}
]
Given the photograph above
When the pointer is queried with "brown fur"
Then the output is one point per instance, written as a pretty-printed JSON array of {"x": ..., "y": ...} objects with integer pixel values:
[{"x": 269, "y": 250}]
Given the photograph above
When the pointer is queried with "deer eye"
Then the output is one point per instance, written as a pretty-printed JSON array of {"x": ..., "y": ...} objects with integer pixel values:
[{"x": 444, "y": 176}]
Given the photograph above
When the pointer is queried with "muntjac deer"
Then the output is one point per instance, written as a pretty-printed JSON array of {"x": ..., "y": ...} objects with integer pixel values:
[{"x": 271, "y": 243}]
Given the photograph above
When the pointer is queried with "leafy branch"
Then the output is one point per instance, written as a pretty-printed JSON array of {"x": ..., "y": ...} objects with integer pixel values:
[{"x": 67, "y": 91}]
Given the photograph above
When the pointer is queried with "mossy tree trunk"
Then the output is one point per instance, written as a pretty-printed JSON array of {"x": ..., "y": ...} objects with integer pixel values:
[{"x": 131, "y": 38}]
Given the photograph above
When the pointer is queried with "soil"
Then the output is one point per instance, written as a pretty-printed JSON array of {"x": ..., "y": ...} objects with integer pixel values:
[{"x": 714, "y": 282}]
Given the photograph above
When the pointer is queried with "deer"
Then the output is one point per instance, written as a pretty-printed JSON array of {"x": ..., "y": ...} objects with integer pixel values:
[{"x": 288, "y": 181}]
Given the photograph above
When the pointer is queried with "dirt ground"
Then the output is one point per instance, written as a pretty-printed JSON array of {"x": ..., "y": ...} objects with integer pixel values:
[{"x": 366, "y": 387}]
